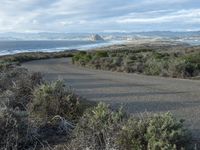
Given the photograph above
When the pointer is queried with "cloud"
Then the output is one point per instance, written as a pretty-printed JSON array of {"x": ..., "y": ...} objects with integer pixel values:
[
  {"x": 185, "y": 16},
  {"x": 97, "y": 15}
]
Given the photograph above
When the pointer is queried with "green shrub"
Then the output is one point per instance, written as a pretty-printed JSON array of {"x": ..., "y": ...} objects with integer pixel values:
[
  {"x": 101, "y": 128},
  {"x": 16, "y": 86},
  {"x": 146, "y": 59},
  {"x": 79, "y": 56},
  {"x": 99, "y": 54},
  {"x": 175, "y": 68},
  {"x": 132, "y": 57},
  {"x": 133, "y": 134},
  {"x": 153, "y": 67},
  {"x": 117, "y": 61},
  {"x": 192, "y": 58},
  {"x": 50, "y": 100},
  {"x": 97, "y": 128},
  {"x": 16, "y": 131},
  {"x": 191, "y": 65},
  {"x": 189, "y": 69},
  {"x": 23, "y": 57},
  {"x": 5, "y": 65},
  {"x": 19, "y": 85},
  {"x": 160, "y": 56},
  {"x": 156, "y": 132},
  {"x": 184, "y": 69},
  {"x": 23, "y": 125},
  {"x": 165, "y": 132},
  {"x": 86, "y": 58}
]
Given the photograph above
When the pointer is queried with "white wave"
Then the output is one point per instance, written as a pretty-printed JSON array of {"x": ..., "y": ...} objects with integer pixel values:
[{"x": 78, "y": 47}]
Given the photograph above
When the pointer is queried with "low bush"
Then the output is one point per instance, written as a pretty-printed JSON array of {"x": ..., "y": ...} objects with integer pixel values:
[
  {"x": 22, "y": 125},
  {"x": 191, "y": 65},
  {"x": 16, "y": 132},
  {"x": 50, "y": 100},
  {"x": 165, "y": 132},
  {"x": 145, "y": 61},
  {"x": 97, "y": 129},
  {"x": 18, "y": 84},
  {"x": 23, "y": 57},
  {"x": 101, "y": 128},
  {"x": 132, "y": 135},
  {"x": 5, "y": 65},
  {"x": 154, "y": 132},
  {"x": 192, "y": 58},
  {"x": 99, "y": 54},
  {"x": 153, "y": 67},
  {"x": 160, "y": 56},
  {"x": 81, "y": 57}
]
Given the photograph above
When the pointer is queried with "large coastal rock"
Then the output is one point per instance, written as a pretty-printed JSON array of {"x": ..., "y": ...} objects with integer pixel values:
[{"x": 96, "y": 37}]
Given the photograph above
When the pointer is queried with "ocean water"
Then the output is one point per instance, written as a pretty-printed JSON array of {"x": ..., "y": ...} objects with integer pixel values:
[
  {"x": 193, "y": 42},
  {"x": 13, "y": 47}
]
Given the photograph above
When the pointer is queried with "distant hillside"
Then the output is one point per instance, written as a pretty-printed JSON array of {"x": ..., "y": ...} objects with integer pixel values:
[
  {"x": 96, "y": 37},
  {"x": 87, "y": 36}
]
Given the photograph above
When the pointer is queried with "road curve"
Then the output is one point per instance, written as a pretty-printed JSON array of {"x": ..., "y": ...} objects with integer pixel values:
[{"x": 137, "y": 93}]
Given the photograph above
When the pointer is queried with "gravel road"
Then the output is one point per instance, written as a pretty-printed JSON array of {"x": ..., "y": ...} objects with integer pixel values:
[{"x": 137, "y": 93}]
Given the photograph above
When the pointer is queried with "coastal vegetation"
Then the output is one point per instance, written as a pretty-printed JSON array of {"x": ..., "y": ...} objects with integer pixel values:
[
  {"x": 33, "y": 113},
  {"x": 23, "y": 57},
  {"x": 101, "y": 128},
  {"x": 178, "y": 63},
  {"x": 36, "y": 114}
]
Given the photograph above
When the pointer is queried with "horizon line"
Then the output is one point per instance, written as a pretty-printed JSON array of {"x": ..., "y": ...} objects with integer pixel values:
[{"x": 35, "y": 32}]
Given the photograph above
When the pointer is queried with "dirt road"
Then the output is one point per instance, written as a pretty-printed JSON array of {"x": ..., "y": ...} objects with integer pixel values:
[{"x": 137, "y": 93}]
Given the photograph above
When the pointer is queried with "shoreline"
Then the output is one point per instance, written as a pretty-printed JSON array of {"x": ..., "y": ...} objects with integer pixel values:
[
  {"x": 96, "y": 45},
  {"x": 158, "y": 45},
  {"x": 59, "y": 46}
]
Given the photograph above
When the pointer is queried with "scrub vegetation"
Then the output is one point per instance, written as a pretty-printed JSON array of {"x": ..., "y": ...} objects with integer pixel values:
[
  {"x": 23, "y": 57},
  {"x": 35, "y": 114},
  {"x": 178, "y": 63}
]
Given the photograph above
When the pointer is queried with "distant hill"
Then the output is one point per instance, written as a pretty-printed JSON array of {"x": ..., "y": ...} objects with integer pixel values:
[
  {"x": 96, "y": 37},
  {"x": 169, "y": 33}
]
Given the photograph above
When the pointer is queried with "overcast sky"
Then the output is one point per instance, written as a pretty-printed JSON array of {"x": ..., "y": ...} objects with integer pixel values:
[{"x": 98, "y": 15}]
